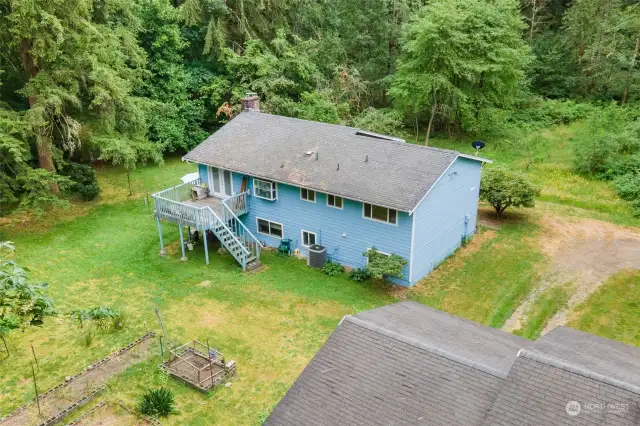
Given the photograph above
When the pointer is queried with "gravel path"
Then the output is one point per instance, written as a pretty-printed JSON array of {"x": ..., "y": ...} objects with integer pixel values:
[{"x": 583, "y": 253}]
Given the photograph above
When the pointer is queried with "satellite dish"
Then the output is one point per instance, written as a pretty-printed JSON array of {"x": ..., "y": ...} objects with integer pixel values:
[{"x": 478, "y": 145}]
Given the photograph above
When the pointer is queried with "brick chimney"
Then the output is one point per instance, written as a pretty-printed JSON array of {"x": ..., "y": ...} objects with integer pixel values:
[{"x": 251, "y": 102}]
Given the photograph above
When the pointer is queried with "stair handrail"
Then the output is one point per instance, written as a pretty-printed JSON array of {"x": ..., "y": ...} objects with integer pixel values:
[
  {"x": 244, "y": 249},
  {"x": 233, "y": 216}
]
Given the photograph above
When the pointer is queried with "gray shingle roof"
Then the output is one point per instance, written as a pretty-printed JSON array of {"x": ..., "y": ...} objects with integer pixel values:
[
  {"x": 407, "y": 364},
  {"x": 396, "y": 174},
  {"x": 485, "y": 346},
  {"x": 569, "y": 365},
  {"x": 371, "y": 373}
]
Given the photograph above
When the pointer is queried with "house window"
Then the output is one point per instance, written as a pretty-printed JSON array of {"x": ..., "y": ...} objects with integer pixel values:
[
  {"x": 265, "y": 189},
  {"x": 272, "y": 229},
  {"x": 378, "y": 252},
  {"x": 308, "y": 195},
  {"x": 334, "y": 201},
  {"x": 308, "y": 238},
  {"x": 381, "y": 214}
]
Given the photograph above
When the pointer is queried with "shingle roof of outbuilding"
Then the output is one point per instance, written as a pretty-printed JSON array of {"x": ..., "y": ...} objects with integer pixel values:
[
  {"x": 371, "y": 371},
  {"x": 569, "y": 365},
  {"x": 386, "y": 172},
  {"x": 407, "y": 364}
]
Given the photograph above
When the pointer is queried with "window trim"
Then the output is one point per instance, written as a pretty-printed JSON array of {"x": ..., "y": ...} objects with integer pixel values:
[
  {"x": 315, "y": 237},
  {"x": 270, "y": 222},
  {"x": 274, "y": 186},
  {"x": 315, "y": 195},
  {"x": 334, "y": 197},
  {"x": 378, "y": 220}
]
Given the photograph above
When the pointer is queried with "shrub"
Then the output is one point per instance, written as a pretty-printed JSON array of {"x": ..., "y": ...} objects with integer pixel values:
[
  {"x": 84, "y": 179},
  {"x": 157, "y": 403},
  {"x": 87, "y": 337},
  {"x": 606, "y": 141},
  {"x": 332, "y": 269},
  {"x": 381, "y": 265},
  {"x": 551, "y": 112},
  {"x": 628, "y": 187},
  {"x": 359, "y": 275},
  {"x": 103, "y": 317},
  {"x": 503, "y": 188}
]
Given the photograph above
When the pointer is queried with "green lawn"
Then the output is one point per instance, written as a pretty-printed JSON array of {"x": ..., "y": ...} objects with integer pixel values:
[
  {"x": 545, "y": 306},
  {"x": 614, "y": 310},
  {"x": 487, "y": 280},
  {"x": 271, "y": 322}
]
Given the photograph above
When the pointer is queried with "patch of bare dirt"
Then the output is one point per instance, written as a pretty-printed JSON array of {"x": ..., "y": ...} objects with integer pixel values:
[{"x": 583, "y": 254}]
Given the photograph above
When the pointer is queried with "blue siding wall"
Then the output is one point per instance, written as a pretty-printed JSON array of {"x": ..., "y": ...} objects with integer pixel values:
[
  {"x": 439, "y": 222},
  {"x": 345, "y": 233}
]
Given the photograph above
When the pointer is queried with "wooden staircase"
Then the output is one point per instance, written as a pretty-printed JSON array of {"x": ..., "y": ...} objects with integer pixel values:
[{"x": 228, "y": 228}]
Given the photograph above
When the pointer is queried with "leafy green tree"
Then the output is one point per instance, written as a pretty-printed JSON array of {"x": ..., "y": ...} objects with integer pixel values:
[
  {"x": 503, "y": 188},
  {"x": 458, "y": 57},
  {"x": 607, "y": 138},
  {"x": 22, "y": 302},
  {"x": 378, "y": 121},
  {"x": 604, "y": 36},
  {"x": 179, "y": 108},
  {"x": 129, "y": 153}
]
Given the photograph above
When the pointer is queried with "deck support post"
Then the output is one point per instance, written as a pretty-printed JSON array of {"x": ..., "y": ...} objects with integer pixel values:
[
  {"x": 163, "y": 252},
  {"x": 184, "y": 257},
  {"x": 206, "y": 247}
]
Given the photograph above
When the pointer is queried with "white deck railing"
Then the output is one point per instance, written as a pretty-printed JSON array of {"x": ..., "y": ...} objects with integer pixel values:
[{"x": 169, "y": 205}]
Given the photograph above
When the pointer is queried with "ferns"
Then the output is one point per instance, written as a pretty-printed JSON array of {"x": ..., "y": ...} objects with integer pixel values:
[{"x": 157, "y": 403}]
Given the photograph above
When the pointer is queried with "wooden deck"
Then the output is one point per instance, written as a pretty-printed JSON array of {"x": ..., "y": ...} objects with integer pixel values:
[{"x": 213, "y": 202}]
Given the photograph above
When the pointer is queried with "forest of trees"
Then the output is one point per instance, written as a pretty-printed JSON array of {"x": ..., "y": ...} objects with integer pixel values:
[{"x": 126, "y": 81}]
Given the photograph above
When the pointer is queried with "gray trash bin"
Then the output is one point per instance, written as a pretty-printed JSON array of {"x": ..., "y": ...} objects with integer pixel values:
[{"x": 317, "y": 256}]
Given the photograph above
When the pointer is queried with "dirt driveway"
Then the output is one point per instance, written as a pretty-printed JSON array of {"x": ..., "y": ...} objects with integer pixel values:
[{"x": 583, "y": 253}]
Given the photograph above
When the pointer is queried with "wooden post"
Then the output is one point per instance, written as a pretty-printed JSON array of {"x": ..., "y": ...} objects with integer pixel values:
[
  {"x": 160, "y": 321},
  {"x": 6, "y": 348},
  {"x": 33, "y": 351},
  {"x": 210, "y": 363},
  {"x": 161, "y": 349},
  {"x": 184, "y": 257},
  {"x": 206, "y": 248},
  {"x": 35, "y": 386},
  {"x": 163, "y": 252}
]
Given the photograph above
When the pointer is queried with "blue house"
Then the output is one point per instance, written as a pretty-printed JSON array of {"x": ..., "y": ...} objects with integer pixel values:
[{"x": 264, "y": 178}]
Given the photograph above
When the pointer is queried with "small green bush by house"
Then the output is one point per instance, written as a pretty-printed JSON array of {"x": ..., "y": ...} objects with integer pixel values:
[
  {"x": 157, "y": 403},
  {"x": 85, "y": 182},
  {"x": 381, "y": 265},
  {"x": 359, "y": 275},
  {"x": 332, "y": 269},
  {"x": 503, "y": 188}
]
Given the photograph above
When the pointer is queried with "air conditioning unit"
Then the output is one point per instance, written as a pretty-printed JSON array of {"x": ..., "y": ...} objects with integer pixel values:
[{"x": 317, "y": 256}]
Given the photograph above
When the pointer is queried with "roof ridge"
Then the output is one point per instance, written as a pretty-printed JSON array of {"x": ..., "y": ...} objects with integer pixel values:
[
  {"x": 576, "y": 369},
  {"x": 429, "y": 348},
  {"x": 356, "y": 129}
]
